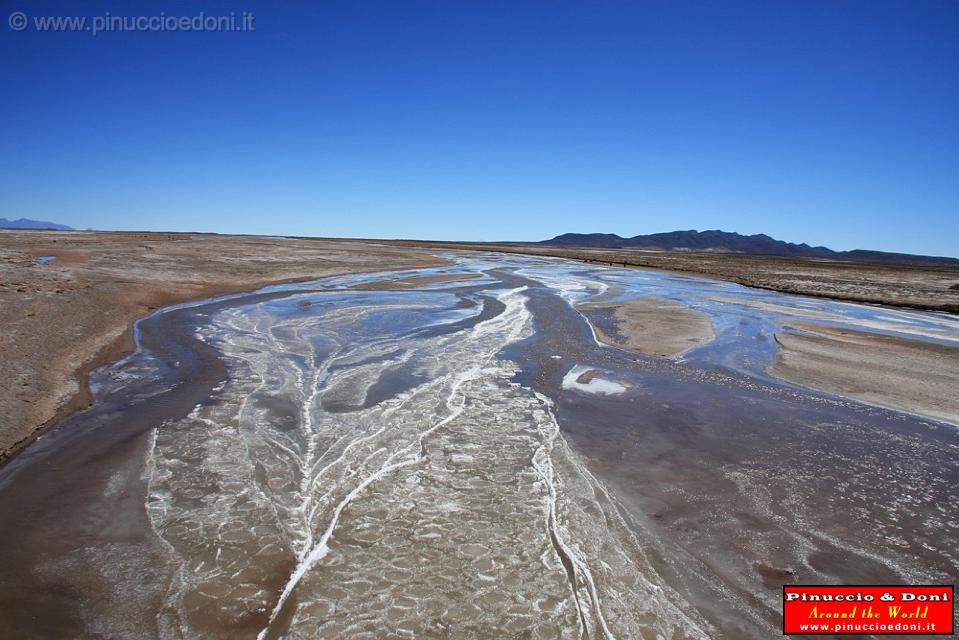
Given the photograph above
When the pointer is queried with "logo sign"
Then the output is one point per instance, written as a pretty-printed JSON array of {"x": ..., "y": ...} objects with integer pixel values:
[{"x": 868, "y": 609}]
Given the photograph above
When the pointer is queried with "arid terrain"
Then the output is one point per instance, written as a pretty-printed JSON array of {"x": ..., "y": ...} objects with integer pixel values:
[
  {"x": 74, "y": 313},
  {"x": 62, "y": 318},
  {"x": 451, "y": 450},
  {"x": 873, "y": 368},
  {"x": 929, "y": 287}
]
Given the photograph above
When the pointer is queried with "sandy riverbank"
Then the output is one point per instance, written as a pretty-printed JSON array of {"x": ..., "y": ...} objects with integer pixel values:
[
  {"x": 908, "y": 375},
  {"x": 64, "y": 318},
  {"x": 653, "y": 326}
]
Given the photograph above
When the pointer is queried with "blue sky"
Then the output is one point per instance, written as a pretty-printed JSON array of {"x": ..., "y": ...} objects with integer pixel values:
[{"x": 831, "y": 123}]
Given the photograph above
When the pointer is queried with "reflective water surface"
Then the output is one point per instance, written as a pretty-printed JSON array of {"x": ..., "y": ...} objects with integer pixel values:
[{"x": 319, "y": 461}]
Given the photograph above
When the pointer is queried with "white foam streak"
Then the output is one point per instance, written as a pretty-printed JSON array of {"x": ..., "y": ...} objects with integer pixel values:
[
  {"x": 543, "y": 464},
  {"x": 507, "y": 327}
]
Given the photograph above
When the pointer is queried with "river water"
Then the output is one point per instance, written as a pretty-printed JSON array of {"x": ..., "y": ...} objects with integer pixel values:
[{"x": 320, "y": 461}]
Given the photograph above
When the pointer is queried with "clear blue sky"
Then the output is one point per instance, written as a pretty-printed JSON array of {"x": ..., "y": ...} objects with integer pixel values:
[{"x": 831, "y": 122}]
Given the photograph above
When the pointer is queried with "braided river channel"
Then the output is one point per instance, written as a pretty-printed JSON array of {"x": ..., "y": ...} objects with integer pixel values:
[{"x": 336, "y": 459}]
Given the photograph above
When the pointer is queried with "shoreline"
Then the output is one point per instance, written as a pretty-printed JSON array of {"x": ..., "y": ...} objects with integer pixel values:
[
  {"x": 651, "y": 326},
  {"x": 871, "y": 368},
  {"x": 54, "y": 375},
  {"x": 113, "y": 351}
]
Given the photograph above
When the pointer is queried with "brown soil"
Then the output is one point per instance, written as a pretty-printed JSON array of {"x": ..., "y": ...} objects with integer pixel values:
[
  {"x": 907, "y": 375},
  {"x": 663, "y": 328},
  {"x": 587, "y": 376},
  {"x": 63, "y": 319}
]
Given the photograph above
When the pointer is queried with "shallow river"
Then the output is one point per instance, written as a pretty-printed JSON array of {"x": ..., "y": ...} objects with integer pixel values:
[{"x": 320, "y": 461}]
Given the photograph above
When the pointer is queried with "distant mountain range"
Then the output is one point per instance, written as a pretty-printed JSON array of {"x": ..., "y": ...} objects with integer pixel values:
[
  {"x": 26, "y": 223},
  {"x": 727, "y": 242}
]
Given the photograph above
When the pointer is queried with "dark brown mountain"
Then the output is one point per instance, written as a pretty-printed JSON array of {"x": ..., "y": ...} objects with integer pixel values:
[{"x": 727, "y": 242}]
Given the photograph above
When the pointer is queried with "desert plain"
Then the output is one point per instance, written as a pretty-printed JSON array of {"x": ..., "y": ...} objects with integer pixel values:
[
  {"x": 438, "y": 440},
  {"x": 76, "y": 312},
  {"x": 65, "y": 316}
]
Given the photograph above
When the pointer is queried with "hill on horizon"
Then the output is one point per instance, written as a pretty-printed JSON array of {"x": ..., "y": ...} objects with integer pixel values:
[
  {"x": 730, "y": 242},
  {"x": 26, "y": 223}
]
